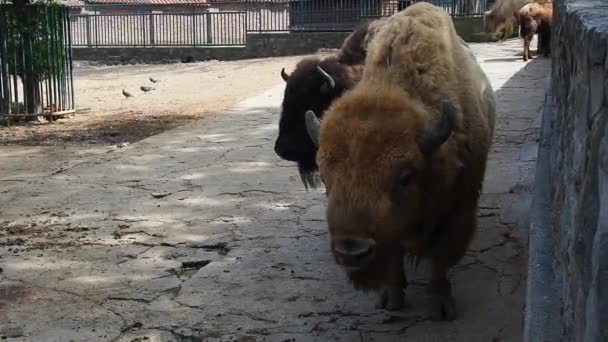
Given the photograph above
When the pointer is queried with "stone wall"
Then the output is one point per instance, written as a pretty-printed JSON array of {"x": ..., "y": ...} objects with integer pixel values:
[
  {"x": 259, "y": 45},
  {"x": 568, "y": 266}
]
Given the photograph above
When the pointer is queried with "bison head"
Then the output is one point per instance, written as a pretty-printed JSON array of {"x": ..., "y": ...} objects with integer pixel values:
[
  {"x": 495, "y": 21},
  {"x": 313, "y": 85},
  {"x": 378, "y": 156}
]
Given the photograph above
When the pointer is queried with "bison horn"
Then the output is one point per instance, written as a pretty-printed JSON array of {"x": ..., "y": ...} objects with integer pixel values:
[
  {"x": 430, "y": 140},
  {"x": 313, "y": 126},
  {"x": 284, "y": 75},
  {"x": 330, "y": 79}
]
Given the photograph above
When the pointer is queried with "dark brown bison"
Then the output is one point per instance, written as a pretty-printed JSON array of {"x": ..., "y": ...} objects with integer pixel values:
[
  {"x": 314, "y": 85},
  {"x": 536, "y": 18},
  {"x": 403, "y": 156}
]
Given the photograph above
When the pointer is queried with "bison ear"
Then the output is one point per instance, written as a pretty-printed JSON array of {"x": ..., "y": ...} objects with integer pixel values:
[
  {"x": 313, "y": 126},
  {"x": 429, "y": 140},
  {"x": 284, "y": 75}
]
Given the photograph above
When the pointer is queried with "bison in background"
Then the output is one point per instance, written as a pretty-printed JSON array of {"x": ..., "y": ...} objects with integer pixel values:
[
  {"x": 504, "y": 15},
  {"x": 403, "y": 156},
  {"x": 536, "y": 18},
  {"x": 314, "y": 85}
]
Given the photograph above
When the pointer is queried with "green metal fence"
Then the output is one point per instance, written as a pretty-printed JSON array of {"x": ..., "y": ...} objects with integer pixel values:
[{"x": 35, "y": 62}]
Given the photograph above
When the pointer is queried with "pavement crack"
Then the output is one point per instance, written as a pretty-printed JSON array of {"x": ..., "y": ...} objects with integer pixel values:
[
  {"x": 244, "y": 192},
  {"x": 128, "y": 328},
  {"x": 499, "y": 244},
  {"x": 63, "y": 169},
  {"x": 237, "y": 312},
  {"x": 139, "y": 300},
  {"x": 82, "y": 297}
]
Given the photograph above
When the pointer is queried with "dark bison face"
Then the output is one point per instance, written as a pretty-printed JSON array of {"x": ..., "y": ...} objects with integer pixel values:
[{"x": 312, "y": 86}]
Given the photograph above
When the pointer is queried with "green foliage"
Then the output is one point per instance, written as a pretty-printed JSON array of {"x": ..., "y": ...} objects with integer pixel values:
[{"x": 36, "y": 47}]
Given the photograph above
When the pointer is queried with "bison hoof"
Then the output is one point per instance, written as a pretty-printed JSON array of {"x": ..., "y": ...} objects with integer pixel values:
[
  {"x": 391, "y": 299},
  {"x": 444, "y": 308}
]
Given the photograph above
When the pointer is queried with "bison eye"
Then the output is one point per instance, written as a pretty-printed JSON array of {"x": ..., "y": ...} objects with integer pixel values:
[{"x": 404, "y": 178}]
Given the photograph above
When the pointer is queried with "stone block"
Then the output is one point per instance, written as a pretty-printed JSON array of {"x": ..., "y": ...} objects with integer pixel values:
[{"x": 578, "y": 186}]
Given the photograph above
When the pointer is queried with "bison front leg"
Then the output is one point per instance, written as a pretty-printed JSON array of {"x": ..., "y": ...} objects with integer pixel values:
[
  {"x": 454, "y": 238},
  {"x": 392, "y": 296},
  {"x": 526, "y": 49},
  {"x": 443, "y": 306}
]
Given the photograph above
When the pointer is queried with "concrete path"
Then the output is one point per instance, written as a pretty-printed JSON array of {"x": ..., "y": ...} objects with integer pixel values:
[{"x": 203, "y": 234}]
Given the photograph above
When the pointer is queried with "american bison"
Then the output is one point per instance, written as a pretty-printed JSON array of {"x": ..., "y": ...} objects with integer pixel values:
[
  {"x": 403, "y": 156},
  {"x": 503, "y": 16},
  {"x": 536, "y": 18},
  {"x": 314, "y": 85}
]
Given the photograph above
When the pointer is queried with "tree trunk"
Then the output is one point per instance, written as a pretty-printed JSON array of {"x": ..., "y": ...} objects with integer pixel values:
[{"x": 33, "y": 97}]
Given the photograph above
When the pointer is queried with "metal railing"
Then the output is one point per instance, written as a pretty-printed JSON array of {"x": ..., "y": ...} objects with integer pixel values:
[
  {"x": 228, "y": 22},
  {"x": 159, "y": 29},
  {"x": 35, "y": 62}
]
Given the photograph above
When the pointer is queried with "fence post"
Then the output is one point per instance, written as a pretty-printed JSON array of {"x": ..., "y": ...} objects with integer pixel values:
[
  {"x": 88, "y": 28},
  {"x": 193, "y": 27},
  {"x": 143, "y": 29},
  {"x": 152, "y": 43},
  {"x": 209, "y": 33},
  {"x": 259, "y": 17}
]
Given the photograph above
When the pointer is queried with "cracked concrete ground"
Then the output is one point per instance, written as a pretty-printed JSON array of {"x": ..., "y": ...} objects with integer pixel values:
[{"x": 202, "y": 234}]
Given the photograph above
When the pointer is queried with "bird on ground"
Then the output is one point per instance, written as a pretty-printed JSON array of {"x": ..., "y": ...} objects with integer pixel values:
[
  {"x": 146, "y": 89},
  {"x": 154, "y": 80},
  {"x": 126, "y": 94}
]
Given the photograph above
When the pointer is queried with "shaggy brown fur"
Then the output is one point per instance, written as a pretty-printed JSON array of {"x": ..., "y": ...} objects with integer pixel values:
[
  {"x": 308, "y": 89},
  {"x": 403, "y": 169},
  {"x": 354, "y": 48},
  {"x": 504, "y": 15},
  {"x": 535, "y": 18}
]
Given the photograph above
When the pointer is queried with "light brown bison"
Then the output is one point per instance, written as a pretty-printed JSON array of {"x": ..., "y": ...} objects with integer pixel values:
[
  {"x": 503, "y": 16},
  {"x": 536, "y": 18},
  {"x": 403, "y": 156}
]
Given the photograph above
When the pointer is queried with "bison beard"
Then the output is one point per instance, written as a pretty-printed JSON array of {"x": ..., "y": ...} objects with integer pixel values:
[
  {"x": 403, "y": 156},
  {"x": 314, "y": 85}
]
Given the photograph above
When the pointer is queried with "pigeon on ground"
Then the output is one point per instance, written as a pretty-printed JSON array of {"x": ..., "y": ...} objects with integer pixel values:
[
  {"x": 146, "y": 89},
  {"x": 126, "y": 94},
  {"x": 154, "y": 80}
]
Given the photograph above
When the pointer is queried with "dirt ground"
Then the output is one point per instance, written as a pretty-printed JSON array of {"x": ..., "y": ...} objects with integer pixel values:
[{"x": 184, "y": 93}]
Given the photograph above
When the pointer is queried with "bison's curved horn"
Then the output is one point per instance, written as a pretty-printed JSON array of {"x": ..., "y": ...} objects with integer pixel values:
[
  {"x": 313, "y": 126},
  {"x": 284, "y": 75},
  {"x": 330, "y": 79},
  {"x": 430, "y": 140}
]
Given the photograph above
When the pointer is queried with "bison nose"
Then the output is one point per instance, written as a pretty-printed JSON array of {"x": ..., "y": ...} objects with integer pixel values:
[{"x": 353, "y": 253}]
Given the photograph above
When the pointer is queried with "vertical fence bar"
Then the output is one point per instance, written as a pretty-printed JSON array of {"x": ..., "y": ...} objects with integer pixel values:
[
  {"x": 15, "y": 57},
  {"x": 193, "y": 28},
  {"x": 152, "y": 43},
  {"x": 71, "y": 75},
  {"x": 4, "y": 57},
  {"x": 88, "y": 30},
  {"x": 209, "y": 29}
]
